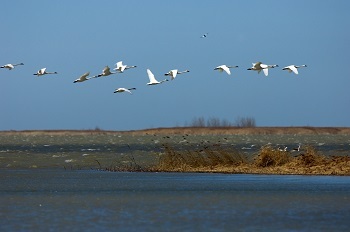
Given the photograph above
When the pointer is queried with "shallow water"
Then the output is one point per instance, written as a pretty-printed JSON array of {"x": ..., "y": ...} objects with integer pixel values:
[{"x": 58, "y": 200}]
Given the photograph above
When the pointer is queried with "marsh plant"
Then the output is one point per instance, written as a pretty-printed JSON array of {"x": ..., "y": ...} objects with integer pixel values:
[
  {"x": 311, "y": 157},
  {"x": 215, "y": 158},
  {"x": 269, "y": 156},
  {"x": 209, "y": 156}
]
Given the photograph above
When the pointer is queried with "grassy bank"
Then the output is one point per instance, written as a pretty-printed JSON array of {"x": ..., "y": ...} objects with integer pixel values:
[{"x": 269, "y": 160}]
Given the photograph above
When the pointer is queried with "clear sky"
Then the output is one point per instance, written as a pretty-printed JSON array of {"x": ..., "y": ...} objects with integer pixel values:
[{"x": 73, "y": 37}]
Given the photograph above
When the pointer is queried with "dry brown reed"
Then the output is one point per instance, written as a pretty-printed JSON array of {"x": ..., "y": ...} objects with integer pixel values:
[
  {"x": 207, "y": 157},
  {"x": 269, "y": 156},
  {"x": 214, "y": 158},
  {"x": 310, "y": 157}
]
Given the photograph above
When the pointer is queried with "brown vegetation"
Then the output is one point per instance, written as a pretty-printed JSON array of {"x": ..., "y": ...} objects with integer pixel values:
[{"x": 267, "y": 161}]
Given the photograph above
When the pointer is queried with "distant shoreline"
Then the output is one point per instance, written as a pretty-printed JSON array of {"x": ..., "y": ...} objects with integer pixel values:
[{"x": 197, "y": 131}]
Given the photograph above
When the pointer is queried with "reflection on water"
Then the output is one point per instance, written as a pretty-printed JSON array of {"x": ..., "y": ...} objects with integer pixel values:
[{"x": 91, "y": 200}]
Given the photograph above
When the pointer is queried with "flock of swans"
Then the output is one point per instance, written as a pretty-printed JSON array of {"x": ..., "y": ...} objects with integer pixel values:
[{"x": 120, "y": 68}]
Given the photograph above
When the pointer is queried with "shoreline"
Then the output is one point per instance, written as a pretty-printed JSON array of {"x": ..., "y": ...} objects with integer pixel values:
[{"x": 196, "y": 131}]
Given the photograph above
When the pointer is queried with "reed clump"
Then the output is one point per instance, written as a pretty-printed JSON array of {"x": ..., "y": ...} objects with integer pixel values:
[
  {"x": 311, "y": 157},
  {"x": 269, "y": 156},
  {"x": 207, "y": 157},
  {"x": 268, "y": 160}
]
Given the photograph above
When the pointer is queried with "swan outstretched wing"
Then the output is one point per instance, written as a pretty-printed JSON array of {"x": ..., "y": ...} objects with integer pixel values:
[
  {"x": 42, "y": 71},
  {"x": 257, "y": 65},
  {"x": 106, "y": 70},
  {"x": 119, "y": 64},
  {"x": 293, "y": 68},
  {"x": 263, "y": 66},
  {"x": 173, "y": 73},
  {"x": 151, "y": 77},
  {"x": 122, "y": 68},
  {"x": 266, "y": 71},
  {"x": 226, "y": 69},
  {"x": 85, "y": 75}
]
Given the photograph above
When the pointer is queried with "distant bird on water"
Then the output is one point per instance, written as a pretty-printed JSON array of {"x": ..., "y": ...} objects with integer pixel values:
[
  {"x": 10, "y": 66},
  {"x": 43, "y": 72},
  {"x": 174, "y": 72},
  {"x": 152, "y": 79},
  {"x": 83, "y": 78},
  {"x": 296, "y": 148},
  {"x": 293, "y": 68},
  {"x": 120, "y": 90},
  {"x": 105, "y": 72},
  {"x": 120, "y": 67},
  {"x": 225, "y": 68}
]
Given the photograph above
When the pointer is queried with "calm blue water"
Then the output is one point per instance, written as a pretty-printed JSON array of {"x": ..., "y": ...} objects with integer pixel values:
[{"x": 59, "y": 200}]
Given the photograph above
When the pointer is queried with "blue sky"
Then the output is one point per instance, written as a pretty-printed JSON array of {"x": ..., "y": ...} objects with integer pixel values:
[{"x": 73, "y": 37}]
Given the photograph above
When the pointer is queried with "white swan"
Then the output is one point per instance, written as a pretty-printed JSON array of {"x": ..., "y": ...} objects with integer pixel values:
[
  {"x": 43, "y": 72},
  {"x": 174, "y": 72},
  {"x": 225, "y": 68},
  {"x": 105, "y": 72},
  {"x": 83, "y": 77},
  {"x": 152, "y": 79},
  {"x": 293, "y": 68},
  {"x": 10, "y": 66},
  {"x": 120, "y": 67},
  {"x": 120, "y": 90},
  {"x": 258, "y": 66}
]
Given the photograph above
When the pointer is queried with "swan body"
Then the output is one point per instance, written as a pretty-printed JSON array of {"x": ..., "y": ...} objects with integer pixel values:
[
  {"x": 105, "y": 72},
  {"x": 174, "y": 72},
  {"x": 152, "y": 79},
  {"x": 11, "y": 66},
  {"x": 258, "y": 66},
  {"x": 83, "y": 77},
  {"x": 120, "y": 90},
  {"x": 120, "y": 67},
  {"x": 43, "y": 72},
  {"x": 293, "y": 68},
  {"x": 225, "y": 68}
]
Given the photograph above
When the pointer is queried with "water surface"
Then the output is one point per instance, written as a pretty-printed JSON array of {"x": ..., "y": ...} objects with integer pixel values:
[{"x": 58, "y": 200}]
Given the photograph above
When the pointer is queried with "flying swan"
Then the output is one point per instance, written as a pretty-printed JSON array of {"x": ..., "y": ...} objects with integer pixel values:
[
  {"x": 105, "y": 72},
  {"x": 43, "y": 72},
  {"x": 83, "y": 77},
  {"x": 120, "y": 67},
  {"x": 293, "y": 68},
  {"x": 174, "y": 72},
  {"x": 225, "y": 68},
  {"x": 10, "y": 66},
  {"x": 152, "y": 79},
  {"x": 121, "y": 90},
  {"x": 258, "y": 66}
]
